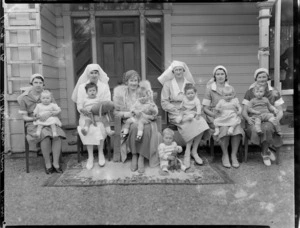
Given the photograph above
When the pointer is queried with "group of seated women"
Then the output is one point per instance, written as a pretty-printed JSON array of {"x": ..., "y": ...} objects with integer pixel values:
[{"x": 218, "y": 116}]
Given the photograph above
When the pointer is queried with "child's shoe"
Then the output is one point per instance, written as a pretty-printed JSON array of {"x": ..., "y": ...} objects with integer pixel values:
[
  {"x": 266, "y": 160},
  {"x": 259, "y": 133},
  {"x": 36, "y": 135},
  {"x": 187, "y": 161},
  {"x": 178, "y": 119},
  {"x": 84, "y": 131},
  {"x": 124, "y": 132},
  {"x": 183, "y": 167},
  {"x": 230, "y": 131},
  {"x": 217, "y": 132},
  {"x": 271, "y": 155},
  {"x": 163, "y": 172},
  {"x": 109, "y": 132}
]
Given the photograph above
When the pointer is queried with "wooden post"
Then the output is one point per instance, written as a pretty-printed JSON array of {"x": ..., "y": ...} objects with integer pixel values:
[
  {"x": 264, "y": 23},
  {"x": 143, "y": 44},
  {"x": 167, "y": 34},
  {"x": 277, "y": 46},
  {"x": 93, "y": 33},
  {"x": 69, "y": 62}
]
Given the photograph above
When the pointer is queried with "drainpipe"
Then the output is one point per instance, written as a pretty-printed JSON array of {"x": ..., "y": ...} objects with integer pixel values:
[
  {"x": 7, "y": 145},
  {"x": 277, "y": 82}
]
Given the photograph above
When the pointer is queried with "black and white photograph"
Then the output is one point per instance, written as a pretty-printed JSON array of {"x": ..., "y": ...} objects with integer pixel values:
[{"x": 149, "y": 113}]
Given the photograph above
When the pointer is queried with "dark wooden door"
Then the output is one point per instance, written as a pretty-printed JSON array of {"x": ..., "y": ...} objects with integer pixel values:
[{"x": 118, "y": 46}]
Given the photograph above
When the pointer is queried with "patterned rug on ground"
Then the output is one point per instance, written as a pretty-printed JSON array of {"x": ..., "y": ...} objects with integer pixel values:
[{"x": 117, "y": 173}]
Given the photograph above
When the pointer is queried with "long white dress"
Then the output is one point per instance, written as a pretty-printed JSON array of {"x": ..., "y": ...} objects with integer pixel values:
[
  {"x": 95, "y": 134},
  {"x": 172, "y": 96}
]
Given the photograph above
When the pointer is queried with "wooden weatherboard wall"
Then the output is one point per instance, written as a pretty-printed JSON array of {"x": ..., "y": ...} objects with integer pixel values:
[
  {"x": 205, "y": 35},
  {"x": 53, "y": 55}
]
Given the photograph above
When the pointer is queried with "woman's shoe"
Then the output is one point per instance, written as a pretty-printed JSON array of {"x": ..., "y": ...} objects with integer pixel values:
[
  {"x": 266, "y": 160},
  {"x": 235, "y": 162},
  {"x": 225, "y": 161},
  {"x": 57, "y": 170},
  {"x": 49, "y": 171},
  {"x": 187, "y": 161},
  {"x": 197, "y": 159},
  {"x": 134, "y": 164}
]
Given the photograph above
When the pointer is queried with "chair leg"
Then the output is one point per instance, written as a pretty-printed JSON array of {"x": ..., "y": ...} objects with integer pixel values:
[
  {"x": 246, "y": 149},
  {"x": 108, "y": 147},
  {"x": 117, "y": 140},
  {"x": 240, "y": 151},
  {"x": 27, "y": 154},
  {"x": 212, "y": 149},
  {"x": 79, "y": 147},
  {"x": 61, "y": 161},
  {"x": 277, "y": 155}
]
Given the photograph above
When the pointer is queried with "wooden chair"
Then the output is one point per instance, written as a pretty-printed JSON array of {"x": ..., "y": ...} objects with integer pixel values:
[
  {"x": 27, "y": 149},
  {"x": 108, "y": 147}
]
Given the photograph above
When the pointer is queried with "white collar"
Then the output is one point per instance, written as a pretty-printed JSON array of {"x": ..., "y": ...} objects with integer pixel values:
[
  {"x": 213, "y": 86},
  {"x": 268, "y": 83},
  {"x": 176, "y": 87}
]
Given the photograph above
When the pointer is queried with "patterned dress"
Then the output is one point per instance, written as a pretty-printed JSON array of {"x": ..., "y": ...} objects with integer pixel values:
[
  {"x": 27, "y": 104},
  {"x": 147, "y": 146}
]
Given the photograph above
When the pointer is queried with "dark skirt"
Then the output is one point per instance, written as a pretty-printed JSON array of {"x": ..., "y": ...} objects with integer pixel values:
[
  {"x": 268, "y": 135},
  {"x": 141, "y": 147},
  {"x": 46, "y": 132}
]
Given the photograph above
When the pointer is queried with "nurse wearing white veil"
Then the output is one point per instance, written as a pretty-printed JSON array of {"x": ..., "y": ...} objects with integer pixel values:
[
  {"x": 174, "y": 80},
  {"x": 95, "y": 135}
]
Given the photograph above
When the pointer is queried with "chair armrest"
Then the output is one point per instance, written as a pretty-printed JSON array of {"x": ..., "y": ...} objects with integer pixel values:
[
  {"x": 117, "y": 139},
  {"x": 159, "y": 124}
]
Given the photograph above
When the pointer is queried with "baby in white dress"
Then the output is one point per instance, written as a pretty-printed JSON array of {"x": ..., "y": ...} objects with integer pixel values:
[
  {"x": 229, "y": 111},
  {"x": 46, "y": 107}
]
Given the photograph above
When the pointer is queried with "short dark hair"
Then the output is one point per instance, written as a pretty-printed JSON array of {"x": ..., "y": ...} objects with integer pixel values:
[
  {"x": 90, "y": 85},
  {"x": 224, "y": 73},
  {"x": 189, "y": 86}
]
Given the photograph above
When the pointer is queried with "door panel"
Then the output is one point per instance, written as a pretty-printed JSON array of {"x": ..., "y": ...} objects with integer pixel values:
[{"x": 118, "y": 46}]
